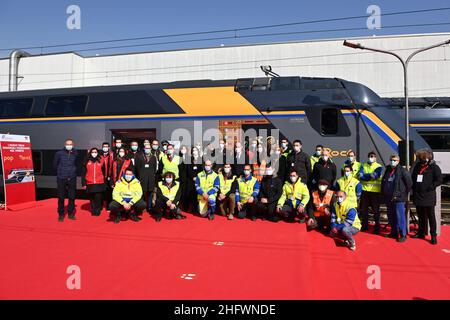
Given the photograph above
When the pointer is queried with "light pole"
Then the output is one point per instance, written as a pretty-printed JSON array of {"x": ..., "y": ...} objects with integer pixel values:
[{"x": 405, "y": 64}]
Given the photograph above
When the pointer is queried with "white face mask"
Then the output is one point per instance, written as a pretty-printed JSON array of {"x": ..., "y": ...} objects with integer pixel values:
[
  {"x": 318, "y": 153},
  {"x": 260, "y": 150},
  {"x": 269, "y": 172},
  {"x": 221, "y": 146},
  {"x": 128, "y": 177},
  {"x": 207, "y": 168},
  {"x": 372, "y": 159},
  {"x": 340, "y": 199},
  {"x": 195, "y": 154},
  {"x": 69, "y": 148},
  {"x": 293, "y": 179},
  {"x": 170, "y": 151},
  {"x": 284, "y": 145},
  {"x": 351, "y": 159},
  {"x": 394, "y": 163},
  {"x": 118, "y": 145},
  {"x": 253, "y": 145},
  {"x": 325, "y": 158},
  {"x": 278, "y": 152},
  {"x": 227, "y": 170},
  {"x": 169, "y": 180},
  {"x": 238, "y": 150},
  {"x": 164, "y": 147},
  {"x": 94, "y": 155},
  {"x": 105, "y": 149},
  {"x": 297, "y": 148},
  {"x": 121, "y": 154},
  {"x": 183, "y": 151},
  {"x": 247, "y": 172},
  {"x": 155, "y": 147},
  {"x": 147, "y": 150},
  {"x": 134, "y": 148},
  {"x": 347, "y": 173},
  {"x": 323, "y": 188}
]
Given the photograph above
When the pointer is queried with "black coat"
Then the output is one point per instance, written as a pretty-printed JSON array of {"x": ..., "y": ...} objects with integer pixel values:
[
  {"x": 425, "y": 192},
  {"x": 145, "y": 168},
  {"x": 65, "y": 163},
  {"x": 270, "y": 188},
  {"x": 301, "y": 163},
  {"x": 402, "y": 184},
  {"x": 324, "y": 171}
]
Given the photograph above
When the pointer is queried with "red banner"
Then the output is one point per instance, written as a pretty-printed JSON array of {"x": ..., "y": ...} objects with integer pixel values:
[{"x": 18, "y": 172}]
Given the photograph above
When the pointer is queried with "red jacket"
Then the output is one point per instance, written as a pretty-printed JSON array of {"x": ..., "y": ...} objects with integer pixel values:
[
  {"x": 95, "y": 172},
  {"x": 114, "y": 177},
  {"x": 109, "y": 158}
]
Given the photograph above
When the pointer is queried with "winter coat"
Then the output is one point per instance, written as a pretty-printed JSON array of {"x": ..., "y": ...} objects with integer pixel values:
[
  {"x": 402, "y": 184},
  {"x": 64, "y": 164},
  {"x": 425, "y": 192}
]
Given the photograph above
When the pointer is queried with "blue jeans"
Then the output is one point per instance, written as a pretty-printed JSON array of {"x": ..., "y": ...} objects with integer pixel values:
[
  {"x": 397, "y": 217},
  {"x": 348, "y": 233}
]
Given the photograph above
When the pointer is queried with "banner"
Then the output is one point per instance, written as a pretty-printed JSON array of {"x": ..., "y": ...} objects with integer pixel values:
[{"x": 18, "y": 172}]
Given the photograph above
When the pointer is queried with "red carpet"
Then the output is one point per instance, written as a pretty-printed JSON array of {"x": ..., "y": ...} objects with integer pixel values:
[{"x": 258, "y": 260}]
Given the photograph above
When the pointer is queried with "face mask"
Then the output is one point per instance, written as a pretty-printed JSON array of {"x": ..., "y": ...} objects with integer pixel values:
[
  {"x": 147, "y": 151},
  {"x": 293, "y": 179},
  {"x": 207, "y": 168},
  {"x": 260, "y": 150},
  {"x": 297, "y": 149},
  {"x": 195, "y": 154},
  {"x": 118, "y": 145},
  {"x": 394, "y": 163},
  {"x": 325, "y": 158},
  {"x": 155, "y": 147},
  {"x": 227, "y": 170},
  {"x": 128, "y": 177},
  {"x": 121, "y": 154},
  {"x": 238, "y": 150},
  {"x": 423, "y": 161},
  {"x": 278, "y": 152},
  {"x": 284, "y": 145},
  {"x": 169, "y": 180},
  {"x": 340, "y": 199},
  {"x": 253, "y": 145},
  {"x": 318, "y": 153},
  {"x": 183, "y": 151},
  {"x": 269, "y": 172},
  {"x": 222, "y": 146},
  {"x": 164, "y": 148},
  {"x": 134, "y": 148},
  {"x": 247, "y": 172},
  {"x": 347, "y": 173},
  {"x": 351, "y": 159},
  {"x": 94, "y": 155},
  {"x": 105, "y": 149},
  {"x": 372, "y": 159},
  {"x": 170, "y": 151},
  {"x": 68, "y": 148},
  {"x": 323, "y": 188}
]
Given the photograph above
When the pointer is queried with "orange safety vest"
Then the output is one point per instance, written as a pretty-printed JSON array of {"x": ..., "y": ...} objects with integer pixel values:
[{"x": 319, "y": 206}]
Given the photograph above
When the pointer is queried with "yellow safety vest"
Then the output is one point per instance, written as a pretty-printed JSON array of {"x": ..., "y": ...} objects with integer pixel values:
[
  {"x": 225, "y": 185},
  {"x": 293, "y": 192},
  {"x": 206, "y": 181},
  {"x": 371, "y": 185},
  {"x": 355, "y": 166},
  {"x": 171, "y": 166},
  {"x": 341, "y": 213},
  {"x": 349, "y": 187},
  {"x": 246, "y": 188},
  {"x": 167, "y": 192},
  {"x": 314, "y": 160}
]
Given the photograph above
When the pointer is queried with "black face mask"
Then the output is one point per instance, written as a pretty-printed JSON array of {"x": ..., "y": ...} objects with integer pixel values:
[{"x": 423, "y": 161}]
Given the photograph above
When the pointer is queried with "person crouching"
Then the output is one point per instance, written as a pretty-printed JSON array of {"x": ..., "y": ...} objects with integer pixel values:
[
  {"x": 168, "y": 195},
  {"x": 127, "y": 196}
]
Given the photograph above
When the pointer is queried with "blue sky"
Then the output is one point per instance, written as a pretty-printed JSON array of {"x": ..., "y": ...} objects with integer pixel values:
[{"x": 36, "y": 23}]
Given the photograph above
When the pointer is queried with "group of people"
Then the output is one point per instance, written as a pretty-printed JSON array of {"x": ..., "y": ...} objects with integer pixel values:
[{"x": 264, "y": 180}]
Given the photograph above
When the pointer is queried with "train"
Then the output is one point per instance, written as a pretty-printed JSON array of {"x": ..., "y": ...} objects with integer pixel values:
[{"x": 336, "y": 113}]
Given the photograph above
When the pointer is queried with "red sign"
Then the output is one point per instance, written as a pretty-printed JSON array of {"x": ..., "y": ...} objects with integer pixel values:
[{"x": 18, "y": 172}]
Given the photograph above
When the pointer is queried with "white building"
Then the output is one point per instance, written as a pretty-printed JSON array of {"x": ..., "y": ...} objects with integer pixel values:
[{"x": 429, "y": 71}]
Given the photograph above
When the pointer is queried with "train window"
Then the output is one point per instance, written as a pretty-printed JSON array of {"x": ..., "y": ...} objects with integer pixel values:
[
  {"x": 285, "y": 83},
  {"x": 14, "y": 108},
  {"x": 37, "y": 161},
  {"x": 244, "y": 84},
  {"x": 437, "y": 140},
  {"x": 329, "y": 121},
  {"x": 66, "y": 106}
]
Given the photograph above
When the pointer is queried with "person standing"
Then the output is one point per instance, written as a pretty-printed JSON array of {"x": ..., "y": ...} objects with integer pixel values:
[
  {"x": 269, "y": 193},
  {"x": 64, "y": 164},
  {"x": 207, "y": 185},
  {"x": 108, "y": 157},
  {"x": 316, "y": 156},
  {"x": 145, "y": 168},
  {"x": 370, "y": 175},
  {"x": 192, "y": 170},
  {"x": 93, "y": 180},
  {"x": 239, "y": 160},
  {"x": 170, "y": 162},
  {"x": 395, "y": 186},
  {"x": 134, "y": 151},
  {"x": 120, "y": 164},
  {"x": 324, "y": 169},
  {"x": 184, "y": 163},
  {"x": 299, "y": 161},
  {"x": 426, "y": 177},
  {"x": 351, "y": 161}
]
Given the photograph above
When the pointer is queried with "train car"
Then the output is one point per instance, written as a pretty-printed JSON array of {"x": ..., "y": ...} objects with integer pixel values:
[{"x": 336, "y": 113}]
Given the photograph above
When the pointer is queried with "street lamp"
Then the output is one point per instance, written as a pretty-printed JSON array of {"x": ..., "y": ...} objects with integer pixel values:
[{"x": 405, "y": 64}]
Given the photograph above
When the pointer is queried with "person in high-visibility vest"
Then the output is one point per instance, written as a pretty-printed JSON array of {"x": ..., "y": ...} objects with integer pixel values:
[
  {"x": 207, "y": 185},
  {"x": 294, "y": 199},
  {"x": 350, "y": 185},
  {"x": 319, "y": 209},
  {"x": 246, "y": 194},
  {"x": 344, "y": 220},
  {"x": 127, "y": 196},
  {"x": 316, "y": 156},
  {"x": 168, "y": 195},
  {"x": 351, "y": 161},
  {"x": 370, "y": 175},
  {"x": 170, "y": 162},
  {"x": 227, "y": 193}
]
